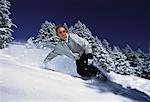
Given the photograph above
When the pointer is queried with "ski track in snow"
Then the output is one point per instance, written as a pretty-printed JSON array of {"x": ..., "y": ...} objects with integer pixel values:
[{"x": 23, "y": 80}]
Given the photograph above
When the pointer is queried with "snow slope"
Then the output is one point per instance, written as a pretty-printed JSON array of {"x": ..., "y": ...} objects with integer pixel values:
[{"x": 22, "y": 79}]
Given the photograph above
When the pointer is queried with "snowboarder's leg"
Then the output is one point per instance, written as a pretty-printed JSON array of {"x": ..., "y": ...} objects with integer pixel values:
[
  {"x": 94, "y": 71},
  {"x": 89, "y": 71}
]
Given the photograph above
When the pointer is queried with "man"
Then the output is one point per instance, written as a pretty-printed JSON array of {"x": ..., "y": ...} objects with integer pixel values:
[{"x": 77, "y": 48}]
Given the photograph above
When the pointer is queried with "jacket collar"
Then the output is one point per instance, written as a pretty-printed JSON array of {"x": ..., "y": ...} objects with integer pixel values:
[{"x": 67, "y": 38}]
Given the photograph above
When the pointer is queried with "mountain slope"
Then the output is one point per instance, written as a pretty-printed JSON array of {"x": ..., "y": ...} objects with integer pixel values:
[{"x": 22, "y": 79}]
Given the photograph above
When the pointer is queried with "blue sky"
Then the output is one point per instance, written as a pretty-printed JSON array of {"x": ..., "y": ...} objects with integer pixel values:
[{"x": 121, "y": 22}]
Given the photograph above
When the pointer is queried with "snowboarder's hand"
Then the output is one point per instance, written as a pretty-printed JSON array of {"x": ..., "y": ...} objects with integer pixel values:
[
  {"x": 90, "y": 61},
  {"x": 90, "y": 58}
]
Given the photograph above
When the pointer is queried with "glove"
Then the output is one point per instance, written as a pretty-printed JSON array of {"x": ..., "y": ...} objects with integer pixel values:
[
  {"x": 90, "y": 61},
  {"x": 90, "y": 58}
]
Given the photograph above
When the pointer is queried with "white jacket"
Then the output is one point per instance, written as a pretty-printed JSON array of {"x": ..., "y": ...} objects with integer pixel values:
[{"x": 73, "y": 47}]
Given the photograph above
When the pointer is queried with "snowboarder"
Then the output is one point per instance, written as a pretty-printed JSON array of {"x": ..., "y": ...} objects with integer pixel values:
[{"x": 77, "y": 48}]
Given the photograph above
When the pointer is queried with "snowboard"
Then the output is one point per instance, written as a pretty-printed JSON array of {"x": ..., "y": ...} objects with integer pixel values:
[
  {"x": 88, "y": 72},
  {"x": 99, "y": 76}
]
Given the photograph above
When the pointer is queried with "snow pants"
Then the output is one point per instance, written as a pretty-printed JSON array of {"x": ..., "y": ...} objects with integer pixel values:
[{"x": 84, "y": 69}]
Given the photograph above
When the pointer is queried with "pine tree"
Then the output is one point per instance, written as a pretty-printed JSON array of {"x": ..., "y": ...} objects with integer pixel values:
[
  {"x": 30, "y": 43},
  {"x": 102, "y": 56},
  {"x": 66, "y": 26},
  {"x": 5, "y": 24},
  {"x": 145, "y": 61},
  {"x": 146, "y": 73},
  {"x": 119, "y": 49},
  {"x": 141, "y": 58},
  {"x": 121, "y": 65},
  {"x": 47, "y": 32},
  {"x": 70, "y": 30},
  {"x": 81, "y": 29},
  {"x": 133, "y": 60},
  {"x": 106, "y": 45}
]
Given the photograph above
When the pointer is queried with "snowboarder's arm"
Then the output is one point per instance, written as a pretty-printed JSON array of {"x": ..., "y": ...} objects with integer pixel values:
[
  {"x": 87, "y": 47},
  {"x": 50, "y": 56},
  {"x": 59, "y": 50}
]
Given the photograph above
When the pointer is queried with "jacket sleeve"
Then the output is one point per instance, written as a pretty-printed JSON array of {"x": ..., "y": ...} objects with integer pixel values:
[
  {"x": 60, "y": 49},
  {"x": 87, "y": 46},
  {"x": 83, "y": 43},
  {"x": 50, "y": 56}
]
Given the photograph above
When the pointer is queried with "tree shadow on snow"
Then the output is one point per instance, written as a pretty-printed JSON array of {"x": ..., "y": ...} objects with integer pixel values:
[{"x": 109, "y": 86}]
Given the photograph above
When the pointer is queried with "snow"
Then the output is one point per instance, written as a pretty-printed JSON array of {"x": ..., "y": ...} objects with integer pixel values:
[
  {"x": 22, "y": 79},
  {"x": 133, "y": 82}
]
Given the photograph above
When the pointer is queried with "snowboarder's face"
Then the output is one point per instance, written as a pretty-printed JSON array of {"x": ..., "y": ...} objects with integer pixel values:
[{"x": 62, "y": 33}]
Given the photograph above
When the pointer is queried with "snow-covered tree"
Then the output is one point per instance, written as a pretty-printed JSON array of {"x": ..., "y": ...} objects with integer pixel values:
[
  {"x": 102, "y": 56},
  {"x": 30, "y": 43},
  {"x": 71, "y": 29},
  {"x": 121, "y": 65},
  {"x": 106, "y": 45},
  {"x": 146, "y": 72},
  {"x": 66, "y": 26},
  {"x": 47, "y": 32},
  {"x": 142, "y": 57},
  {"x": 133, "y": 60},
  {"x": 119, "y": 49},
  {"x": 47, "y": 35},
  {"x": 5, "y": 24},
  {"x": 145, "y": 61},
  {"x": 81, "y": 29}
]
